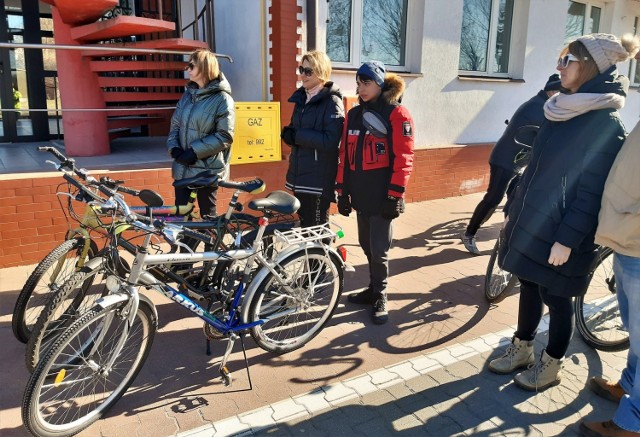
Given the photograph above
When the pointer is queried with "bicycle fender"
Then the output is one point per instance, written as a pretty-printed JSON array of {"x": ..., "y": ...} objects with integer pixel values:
[
  {"x": 114, "y": 299},
  {"x": 282, "y": 256}
]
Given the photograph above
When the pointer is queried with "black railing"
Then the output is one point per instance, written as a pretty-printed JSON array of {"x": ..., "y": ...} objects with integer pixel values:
[{"x": 202, "y": 25}]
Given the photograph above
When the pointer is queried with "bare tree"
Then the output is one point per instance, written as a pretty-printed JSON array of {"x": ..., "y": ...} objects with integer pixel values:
[
  {"x": 384, "y": 30},
  {"x": 339, "y": 30},
  {"x": 474, "y": 36}
]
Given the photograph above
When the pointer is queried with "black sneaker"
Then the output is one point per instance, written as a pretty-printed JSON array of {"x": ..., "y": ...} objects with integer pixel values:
[
  {"x": 365, "y": 297},
  {"x": 380, "y": 314},
  {"x": 469, "y": 242}
]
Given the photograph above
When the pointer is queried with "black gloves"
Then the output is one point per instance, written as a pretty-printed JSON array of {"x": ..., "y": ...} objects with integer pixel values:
[
  {"x": 188, "y": 157},
  {"x": 392, "y": 207},
  {"x": 344, "y": 205},
  {"x": 288, "y": 135},
  {"x": 175, "y": 152}
]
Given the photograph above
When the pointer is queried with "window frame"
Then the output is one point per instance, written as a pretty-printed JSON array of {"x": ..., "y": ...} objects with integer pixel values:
[
  {"x": 589, "y": 5},
  {"x": 355, "y": 44},
  {"x": 491, "y": 43}
]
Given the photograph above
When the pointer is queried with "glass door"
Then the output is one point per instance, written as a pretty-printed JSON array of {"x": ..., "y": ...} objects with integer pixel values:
[{"x": 21, "y": 74}]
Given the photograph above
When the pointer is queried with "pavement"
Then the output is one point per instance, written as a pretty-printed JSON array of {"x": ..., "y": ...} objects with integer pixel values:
[{"x": 423, "y": 373}]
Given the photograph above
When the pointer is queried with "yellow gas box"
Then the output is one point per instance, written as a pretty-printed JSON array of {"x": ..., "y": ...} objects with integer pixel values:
[{"x": 257, "y": 134}]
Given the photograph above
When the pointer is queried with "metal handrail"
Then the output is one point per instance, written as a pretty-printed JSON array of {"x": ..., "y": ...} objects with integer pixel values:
[
  {"x": 140, "y": 108},
  {"x": 103, "y": 48}
]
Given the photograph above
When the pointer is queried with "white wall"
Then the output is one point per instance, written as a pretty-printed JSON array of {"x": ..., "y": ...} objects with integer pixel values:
[
  {"x": 448, "y": 110},
  {"x": 241, "y": 32}
]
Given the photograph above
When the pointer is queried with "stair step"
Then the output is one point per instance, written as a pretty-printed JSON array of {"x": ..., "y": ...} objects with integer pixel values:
[
  {"x": 131, "y": 121},
  {"x": 73, "y": 14},
  {"x": 110, "y": 66},
  {"x": 121, "y": 26},
  {"x": 137, "y": 97},
  {"x": 156, "y": 44},
  {"x": 140, "y": 82}
]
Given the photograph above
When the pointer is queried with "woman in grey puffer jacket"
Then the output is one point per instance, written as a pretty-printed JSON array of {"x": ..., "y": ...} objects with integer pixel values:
[{"x": 201, "y": 130}]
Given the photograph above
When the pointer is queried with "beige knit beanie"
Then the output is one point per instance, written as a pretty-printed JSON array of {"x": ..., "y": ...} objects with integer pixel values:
[{"x": 607, "y": 50}]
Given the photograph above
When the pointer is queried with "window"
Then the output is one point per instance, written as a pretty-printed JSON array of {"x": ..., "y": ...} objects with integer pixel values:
[
  {"x": 577, "y": 23},
  {"x": 485, "y": 38},
  {"x": 364, "y": 30}
]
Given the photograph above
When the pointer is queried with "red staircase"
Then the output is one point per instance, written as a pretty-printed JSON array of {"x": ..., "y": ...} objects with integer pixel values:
[{"x": 130, "y": 79}]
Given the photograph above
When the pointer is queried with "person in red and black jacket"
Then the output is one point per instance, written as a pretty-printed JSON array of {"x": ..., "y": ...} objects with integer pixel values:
[{"x": 373, "y": 172}]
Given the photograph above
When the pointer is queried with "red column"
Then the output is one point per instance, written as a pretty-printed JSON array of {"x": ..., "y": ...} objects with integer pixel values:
[
  {"x": 85, "y": 133},
  {"x": 284, "y": 37}
]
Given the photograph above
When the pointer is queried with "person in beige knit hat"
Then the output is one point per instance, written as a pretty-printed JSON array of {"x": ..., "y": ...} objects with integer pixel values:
[{"x": 553, "y": 214}]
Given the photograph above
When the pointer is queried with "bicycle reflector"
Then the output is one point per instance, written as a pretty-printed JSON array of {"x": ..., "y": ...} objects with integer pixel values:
[{"x": 342, "y": 251}]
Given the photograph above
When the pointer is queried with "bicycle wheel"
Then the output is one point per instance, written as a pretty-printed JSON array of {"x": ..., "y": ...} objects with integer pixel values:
[
  {"x": 292, "y": 319},
  {"x": 47, "y": 277},
  {"x": 76, "y": 296},
  {"x": 497, "y": 282},
  {"x": 597, "y": 312},
  {"x": 71, "y": 387}
]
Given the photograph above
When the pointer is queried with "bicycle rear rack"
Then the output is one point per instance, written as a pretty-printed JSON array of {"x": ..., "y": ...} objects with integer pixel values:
[{"x": 303, "y": 235}]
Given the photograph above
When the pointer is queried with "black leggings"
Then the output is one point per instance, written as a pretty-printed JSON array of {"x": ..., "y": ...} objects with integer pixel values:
[
  {"x": 533, "y": 297},
  {"x": 499, "y": 179},
  {"x": 314, "y": 209}
]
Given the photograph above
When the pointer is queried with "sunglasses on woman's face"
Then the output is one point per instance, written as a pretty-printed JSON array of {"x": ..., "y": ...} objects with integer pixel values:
[
  {"x": 190, "y": 66},
  {"x": 306, "y": 71},
  {"x": 564, "y": 61}
]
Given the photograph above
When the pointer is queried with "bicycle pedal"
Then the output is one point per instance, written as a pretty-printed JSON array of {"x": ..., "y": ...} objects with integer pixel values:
[{"x": 226, "y": 376}]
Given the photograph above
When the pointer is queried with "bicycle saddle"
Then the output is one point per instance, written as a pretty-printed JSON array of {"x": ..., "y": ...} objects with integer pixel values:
[
  {"x": 203, "y": 179},
  {"x": 278, "y": 201}
]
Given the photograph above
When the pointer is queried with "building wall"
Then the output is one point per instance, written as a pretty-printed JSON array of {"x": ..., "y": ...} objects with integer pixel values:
[{"x": 32, "y": 222}]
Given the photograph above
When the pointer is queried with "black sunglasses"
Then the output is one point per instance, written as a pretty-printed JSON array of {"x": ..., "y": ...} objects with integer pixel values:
[
  {"x": 306, "y": 71},
  {"x": 190, "y": 66}
]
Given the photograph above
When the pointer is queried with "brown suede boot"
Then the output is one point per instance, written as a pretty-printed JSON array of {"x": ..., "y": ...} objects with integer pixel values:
[{"x": 606, "y": 389}]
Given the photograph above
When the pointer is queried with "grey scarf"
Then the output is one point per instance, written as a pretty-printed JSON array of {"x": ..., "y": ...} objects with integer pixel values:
[{"x": 562, "y": 107}]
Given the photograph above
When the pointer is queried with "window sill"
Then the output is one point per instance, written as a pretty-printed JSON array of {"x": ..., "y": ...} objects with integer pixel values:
[
  {"x": 399, "y": 73},
  {"x": 489, "y": 79}
]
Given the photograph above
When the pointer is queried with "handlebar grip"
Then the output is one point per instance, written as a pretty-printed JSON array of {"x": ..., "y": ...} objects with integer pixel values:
[
  {"x": 82, "y": 188},
  {"x": 55, "y": 152},
  {"x": 128, "y": 190}
]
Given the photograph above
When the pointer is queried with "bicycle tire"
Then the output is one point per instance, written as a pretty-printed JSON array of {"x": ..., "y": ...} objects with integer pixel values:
[
  {"x": 498, "y": 283},
  {"x": 597, "y": 312},
  {"x": 77, "y": 295},
  {"x": 55, "y": 403},
  {"x": 293, "y": 321},
  {"x": 47, "y": 277}
]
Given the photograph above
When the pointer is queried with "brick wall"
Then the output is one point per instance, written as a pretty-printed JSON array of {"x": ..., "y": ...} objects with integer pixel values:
[{"x": 32, "y": 223}]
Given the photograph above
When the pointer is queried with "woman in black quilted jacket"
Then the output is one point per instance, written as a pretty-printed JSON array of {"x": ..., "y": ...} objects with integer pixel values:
[{"x": 314, "y": 137}]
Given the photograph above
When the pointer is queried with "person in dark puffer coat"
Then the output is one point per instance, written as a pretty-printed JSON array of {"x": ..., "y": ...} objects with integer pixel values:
[
  {"x": 503, "y": 163},
  {"x": 314, "y": 136},
  {"x": 553, "y": 215}
]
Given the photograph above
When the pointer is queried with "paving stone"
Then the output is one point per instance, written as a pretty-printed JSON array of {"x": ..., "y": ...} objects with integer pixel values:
[
  {"x": 362, "y": 385},
  {"x": 313, "y": 401},
  {"x": 404, "y": 370},
  {"x": 286, "y": 409},
  {"x": 230, "y": 426},
  {"x": 335, "y": 393}
]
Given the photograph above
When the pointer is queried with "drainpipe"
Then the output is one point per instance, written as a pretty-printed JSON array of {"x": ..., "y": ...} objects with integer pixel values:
[{"x": 312, "y": 23}]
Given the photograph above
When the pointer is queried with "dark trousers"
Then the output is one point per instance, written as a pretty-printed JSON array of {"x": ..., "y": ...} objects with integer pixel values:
[
  {"x": 374, "y": 236},
  {"x": 533, "y": 297},
  {"x": 206, "y": 199},
  {"x": 499, "y": 179},
  {"x": 314, "y": 210}
]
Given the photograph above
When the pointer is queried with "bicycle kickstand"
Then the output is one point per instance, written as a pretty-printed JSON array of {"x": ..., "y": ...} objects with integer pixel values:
[{"x": 224, "y": 370}]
